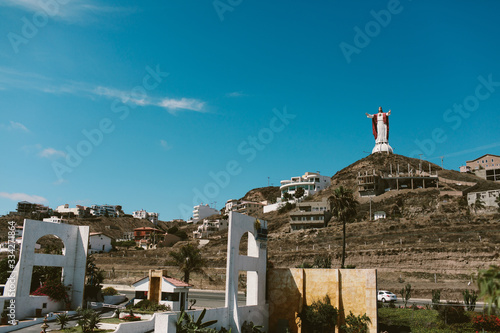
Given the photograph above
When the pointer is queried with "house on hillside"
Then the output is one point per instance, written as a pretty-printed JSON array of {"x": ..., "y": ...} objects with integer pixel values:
[
  {"x": 105, "y": 210},
  {"x": 487, "y": 197},
  {"x": 201, "y": 211},
  {"x": 310, "y": 214},
  {"x": 311, "y": 182},
  {"x": 244, "y": 207},
  {"x": 142, "y": 214},
  {"x": 54, "y": 219},
  {"x": 209, "y": 227},
  {"x": 486, "y": 167},
  {"x": 147, "y": 237},
  {"x": 99, "y": 243},
  {"x": 159, "y": 288},
  {"x": 379, "y": 215},
  {"x": 81, "y": 211}
]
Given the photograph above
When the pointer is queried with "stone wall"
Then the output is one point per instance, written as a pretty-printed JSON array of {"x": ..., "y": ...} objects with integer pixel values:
[{"x": 289, "y": 289}]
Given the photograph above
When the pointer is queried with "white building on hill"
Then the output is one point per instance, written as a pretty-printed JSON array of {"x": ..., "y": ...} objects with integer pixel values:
[
  {"x": 201, "y": 211},
  {"x": 99, "y": 243},
  {"x": 142, "y": 214},
  {"x": 103, "y": 210},
  {"x": 209, "y": 227},
  {"x": 311, "y": 182}
]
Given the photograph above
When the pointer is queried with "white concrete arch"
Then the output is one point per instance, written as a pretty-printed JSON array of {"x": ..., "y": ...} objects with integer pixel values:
[
  {"x": 75, "y": 240},
  {"x": 254, "y": 263}
]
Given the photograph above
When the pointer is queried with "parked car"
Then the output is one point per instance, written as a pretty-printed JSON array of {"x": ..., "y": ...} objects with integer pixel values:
[{"x": 386, "y": 296}]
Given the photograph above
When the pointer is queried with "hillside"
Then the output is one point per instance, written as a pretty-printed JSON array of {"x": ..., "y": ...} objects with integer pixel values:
[
  {"x": 430, "y": 238},
  {"x": 269, "y": 193}
]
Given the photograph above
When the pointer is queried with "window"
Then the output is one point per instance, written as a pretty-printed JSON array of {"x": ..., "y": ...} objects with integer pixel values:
[
  {"x": 172, "y": 297},
  {"x": 141, "y": 294}
]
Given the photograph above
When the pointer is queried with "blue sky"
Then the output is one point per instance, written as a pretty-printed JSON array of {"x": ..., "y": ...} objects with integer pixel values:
[{"x": 159, "y": 106}]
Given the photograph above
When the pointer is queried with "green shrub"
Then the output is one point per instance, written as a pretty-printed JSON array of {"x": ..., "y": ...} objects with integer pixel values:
[
  {"x": 356, "y": 324},
  {"x": 452, "y": 313},
  {"x": 62, "y": 320},
  {"x": 320, "y": 316},
  {"x": 147, "y": 305},
  {"x": 470, "y": 298},
  {"x": 109, "y": 291},
  {"x": 436, "y": 298}
]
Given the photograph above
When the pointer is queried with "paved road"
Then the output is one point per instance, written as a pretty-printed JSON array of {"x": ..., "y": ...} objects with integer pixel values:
[{"x": 423, "y": 302}]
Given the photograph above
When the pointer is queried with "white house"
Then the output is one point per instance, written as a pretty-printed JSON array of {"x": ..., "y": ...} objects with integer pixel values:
[
  {"x": 209, "y": 227},
  {"x": 142, "y": 214},
  {"x": 163, "y": 289},
  {"x": 99, "y": 242},
  {"x": 311, "y": 182},
  {"x": 77, "y": 211},
  {"x": 487, "y": 197},
  {"x": 201, "y": 211},
  {"x": 53, "y": 219},
  {"x": 379, "y": 215}
]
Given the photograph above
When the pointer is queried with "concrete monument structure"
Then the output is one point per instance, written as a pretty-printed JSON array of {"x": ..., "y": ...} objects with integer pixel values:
[
  {"x": 380, "y": 128},
  {"x": 254, "y": 263},
  {"x": 73, "y": 261}
]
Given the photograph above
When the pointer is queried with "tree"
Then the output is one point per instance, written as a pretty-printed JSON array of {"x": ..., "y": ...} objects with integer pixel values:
[
  {"x": 406, "y": 293},
  {"x": 299, "y": 192},
  {"x": 478, "y": 204},
  {"x": 189, "y": 260},
  {"x": 89, "y": 320},
  {"x": 344, "y": 207},
  {"x": 287, "y": 196},
  {"x": 489, "y": 286},
  {"x": 62, "y": 320}
]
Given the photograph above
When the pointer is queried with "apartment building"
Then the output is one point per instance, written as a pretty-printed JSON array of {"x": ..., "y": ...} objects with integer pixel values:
[
  {"x": 209, "y": 227},
  {"x": 486, "y": 167},
  {"x": 104, "y": 210},
  {"x": 310, "y": 214},
  {"x": 244, "y": 207},
  {"x": 142, "y": 214},
  {"x": 202, "y": 211}
]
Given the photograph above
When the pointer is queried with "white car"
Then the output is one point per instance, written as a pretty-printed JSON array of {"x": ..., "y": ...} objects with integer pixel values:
[{"x": 386, "y": 296}]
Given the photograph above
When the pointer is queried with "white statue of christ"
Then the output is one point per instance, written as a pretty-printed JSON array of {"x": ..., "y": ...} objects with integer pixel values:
[
  {"x": 380, "y": 128},
  {"x": 380, "y": 125}
]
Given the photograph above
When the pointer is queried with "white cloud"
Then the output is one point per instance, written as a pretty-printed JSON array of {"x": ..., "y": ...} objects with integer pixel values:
[
  {"x": 235, "y": 94},
  {"x": 23, "y": 197},
  {"x": 18, "y": 126},
  {"x": 32, "y": 81},
  {"x": 52, "y": 153},
  {"x": 81, "y": 11},
  {"x": 173, "y": 105},
  {"x": 165, "y": 145}
]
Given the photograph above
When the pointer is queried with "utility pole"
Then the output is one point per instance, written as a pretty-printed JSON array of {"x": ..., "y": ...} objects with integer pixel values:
[
  {"x": 420, "y": 164},
  {"x": 442, "y": 158},
  {"x": 267, "y": 181},
  {"x": 370, "y": 209}
]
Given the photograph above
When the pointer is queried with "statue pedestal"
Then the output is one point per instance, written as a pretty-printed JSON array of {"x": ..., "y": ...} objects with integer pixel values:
[{"x": 382, "y": 148}]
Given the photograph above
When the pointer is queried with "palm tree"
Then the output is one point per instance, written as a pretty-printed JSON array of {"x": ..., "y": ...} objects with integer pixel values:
[
  {"x": 478, "y": 204},
  {"x": 343, "y": 206},
  {"x": 489, "y": 286},
  {"x": 189, "y": 259}
]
